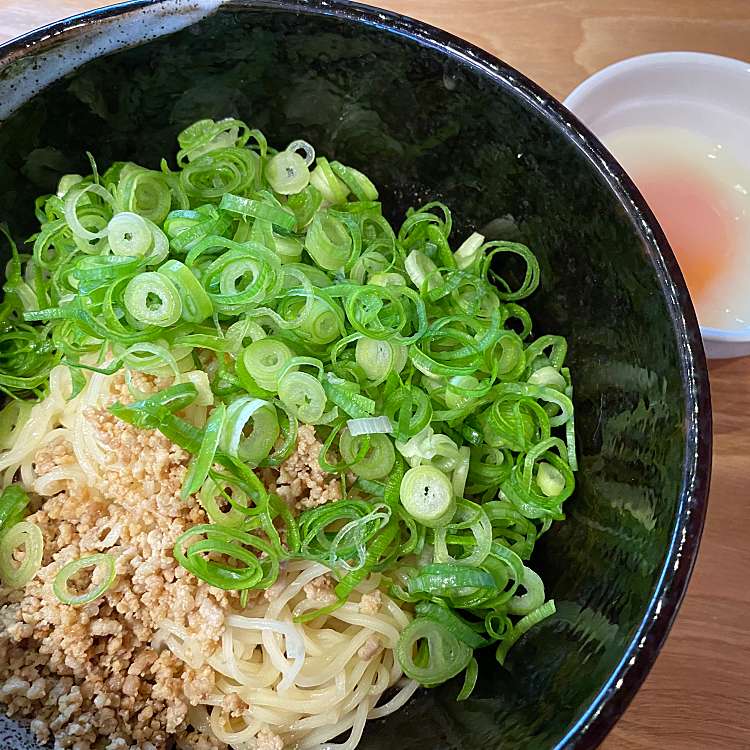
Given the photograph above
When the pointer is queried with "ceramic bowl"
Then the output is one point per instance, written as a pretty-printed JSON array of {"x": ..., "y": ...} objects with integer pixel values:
[
  {"x": 427, "y": 115},
  {"x": 706, "y": 94}
]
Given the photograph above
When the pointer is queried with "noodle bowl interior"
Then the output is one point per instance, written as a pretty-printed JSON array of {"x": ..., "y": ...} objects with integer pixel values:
[{"x": 268, "y": 464}]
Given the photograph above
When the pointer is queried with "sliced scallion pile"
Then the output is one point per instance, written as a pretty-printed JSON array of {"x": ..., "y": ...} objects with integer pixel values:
[{"x": 413, "y": 361}]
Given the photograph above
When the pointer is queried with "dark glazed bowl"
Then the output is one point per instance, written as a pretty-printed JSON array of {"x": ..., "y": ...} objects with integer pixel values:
[{"x": 427, "y": 116}]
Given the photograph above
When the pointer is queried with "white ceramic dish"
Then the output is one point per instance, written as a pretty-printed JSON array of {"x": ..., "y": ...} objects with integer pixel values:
[{"x": 707, "y": 94}]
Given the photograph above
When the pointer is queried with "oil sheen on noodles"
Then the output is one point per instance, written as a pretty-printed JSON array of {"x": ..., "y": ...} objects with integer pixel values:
[{"x": 307, "y": 682}]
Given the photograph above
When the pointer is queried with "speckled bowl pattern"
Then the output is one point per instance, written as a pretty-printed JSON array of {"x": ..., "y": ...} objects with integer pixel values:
[{"x": 427, "y": 116}]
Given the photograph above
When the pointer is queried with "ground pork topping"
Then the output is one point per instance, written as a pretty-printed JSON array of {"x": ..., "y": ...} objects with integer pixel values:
[
  {"x": 52, "y": 455},
  {"x": 200, "y": 741},
  {"x": 321, "y": 589},
  {"x": 267, "y": 740},
  {"x": 301, "y": 483},
  {"x": 86, "y": 674},
  {"x": 234, "y": 705},
  {"x": 370, "y": 603},
  {"x": 369, "y": 649}
]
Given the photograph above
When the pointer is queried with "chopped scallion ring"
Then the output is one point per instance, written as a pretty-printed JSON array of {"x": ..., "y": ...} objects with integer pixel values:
[
  {"x": 287, "y": 173},
  {"x": 151, "y": 298},
  {"x": 102, "y": 576},
  {"x": 303, "y": 395},
  {"x": 370, "y": 456},
  {"x": 25, "y": 537},
  {"x": 427, "y": 496}
]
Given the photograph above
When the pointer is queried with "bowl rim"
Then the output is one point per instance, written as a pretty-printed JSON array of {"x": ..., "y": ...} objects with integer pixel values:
[
  {"x": 649, "y": 60},
  {"x": 593, "y": 724},
  {"x": 591, "y": 86}
]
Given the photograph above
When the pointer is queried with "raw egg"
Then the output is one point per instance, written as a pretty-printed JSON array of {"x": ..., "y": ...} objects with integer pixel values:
[{"x": 700, "y": 195}]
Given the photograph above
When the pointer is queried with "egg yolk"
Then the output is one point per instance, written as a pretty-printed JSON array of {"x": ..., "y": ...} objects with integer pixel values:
[{"x": 688, "y": 209}]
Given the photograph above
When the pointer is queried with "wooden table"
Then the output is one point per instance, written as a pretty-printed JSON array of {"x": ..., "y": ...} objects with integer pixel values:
[{"x": 698, "y": 695}]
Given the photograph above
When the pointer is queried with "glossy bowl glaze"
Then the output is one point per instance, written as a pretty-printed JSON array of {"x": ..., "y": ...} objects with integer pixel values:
[{"x": 427, "y": 116}]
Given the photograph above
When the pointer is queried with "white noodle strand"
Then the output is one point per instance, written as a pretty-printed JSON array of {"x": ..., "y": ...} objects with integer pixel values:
[{"x": 309, "y": 682}]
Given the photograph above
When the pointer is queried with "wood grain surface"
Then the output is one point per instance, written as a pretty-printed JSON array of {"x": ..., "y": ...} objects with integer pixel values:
[{"x": 697, "y": 697}]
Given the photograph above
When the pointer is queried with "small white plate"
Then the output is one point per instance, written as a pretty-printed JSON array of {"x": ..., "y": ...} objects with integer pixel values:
[{"x": 707, "y": 94}]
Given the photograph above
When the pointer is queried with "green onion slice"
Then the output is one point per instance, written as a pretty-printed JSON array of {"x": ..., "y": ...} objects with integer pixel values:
[
  {"x": 523, "y": 626},
  {"x": 196, "y": 304},
  {"x": 266, "y": 360},
  {"x": 202, "y": 462},
  {"x": 369, "y": 426},
  {"x": 26, "y": 537},
  {"x": 13, "y": 506},
  {"x": 427, "y": 496},
  {"x": 152, "y": 299},
  {"x": 223, "y": 501},
  {"x": 287, "y": 173},
  {"x": 470, "y": 680},
  {"x": 261, "y": 415},
  {"x": 245, "y": 569},
  {"x": 303, "y": 395},
  {"x": 369, "y": 456},
  {"x": 442, "y": 657},
  {"x": 102, "y": 576}
]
